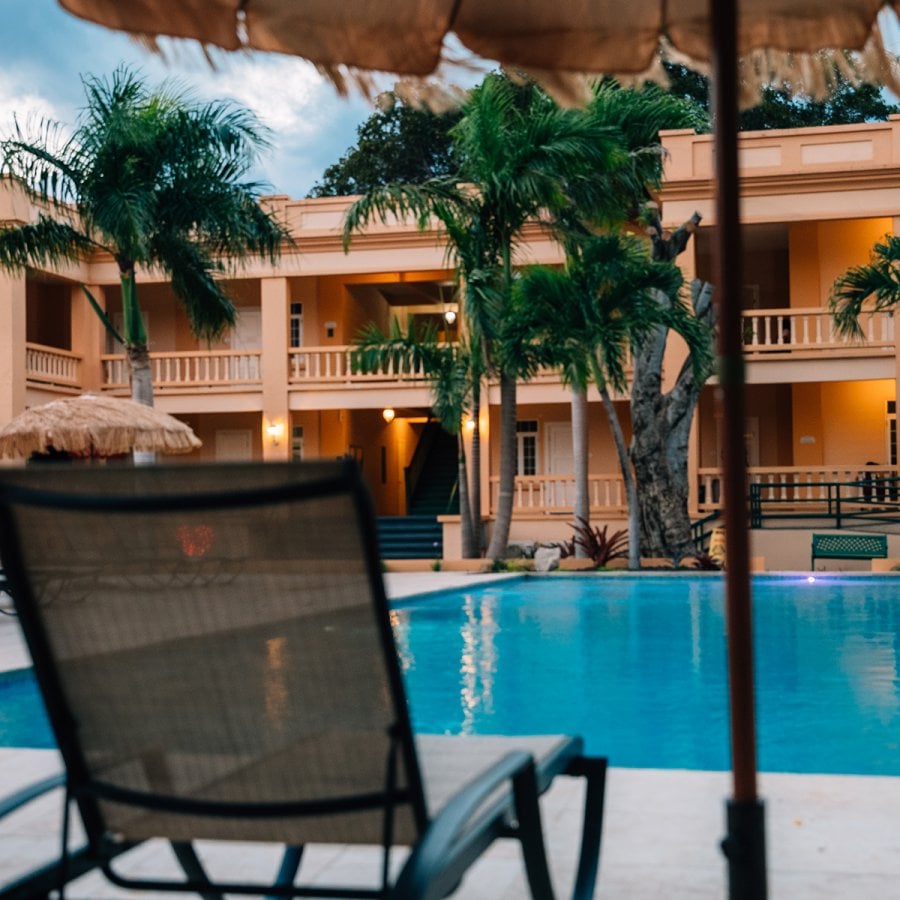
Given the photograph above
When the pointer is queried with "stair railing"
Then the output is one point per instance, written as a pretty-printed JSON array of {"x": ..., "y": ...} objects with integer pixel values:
[{"x": 412, "y": 474}]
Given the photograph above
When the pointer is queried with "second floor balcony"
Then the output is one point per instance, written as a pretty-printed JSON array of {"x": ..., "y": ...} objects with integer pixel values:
[{"x": 769, "y": 334}]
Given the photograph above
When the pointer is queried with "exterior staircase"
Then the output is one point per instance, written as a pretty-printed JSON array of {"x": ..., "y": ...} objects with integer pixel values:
[
  {"x": 419, "y": 535},
  {"x": 410, "y": 537}
]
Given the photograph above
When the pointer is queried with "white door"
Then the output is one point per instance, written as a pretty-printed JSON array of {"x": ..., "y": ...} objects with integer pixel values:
[
  {"x": 234, "y": 444},
  {"x": 560, "y": 461},
  {"x": 246, "y": 335}
]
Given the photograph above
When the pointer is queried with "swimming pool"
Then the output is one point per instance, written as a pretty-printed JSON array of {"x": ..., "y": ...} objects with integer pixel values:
[{"x": 637, "y": 665}]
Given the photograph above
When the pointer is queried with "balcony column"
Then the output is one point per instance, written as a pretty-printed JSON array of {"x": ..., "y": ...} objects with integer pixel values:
[
  {"x": 12, "y": 345},
  {"x": 274, "y": 300},
  {"x": 88, "y": 335}
]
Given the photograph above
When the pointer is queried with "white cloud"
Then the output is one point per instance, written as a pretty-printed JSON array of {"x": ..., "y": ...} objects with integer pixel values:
[
  {"x": 44, "y": 52},
  {"x": 16, "y": 99}
]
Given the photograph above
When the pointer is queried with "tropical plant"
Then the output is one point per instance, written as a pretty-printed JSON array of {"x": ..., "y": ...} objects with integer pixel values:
[
  {"x": 156, "y": 180},
  {"x": 520, "y": 157},
  {"x": 874, "y": 287},
  {"x": 703, "y": 562},
  {"x": 587, "y": 319},
  {"x": 598, "y": 544},
  {"x": 658, "y": 454}
]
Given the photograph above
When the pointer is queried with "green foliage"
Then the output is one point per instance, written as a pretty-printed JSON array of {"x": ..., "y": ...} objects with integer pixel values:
[
  {"x": 585, "y": 319},
  {"x": 846, "y": 104},
  {"x": 152, "y": 177},
  {"x": 870, "y": 288},
  {"x": 599, "y": 544},
  {"x": 397, "y": 144}
]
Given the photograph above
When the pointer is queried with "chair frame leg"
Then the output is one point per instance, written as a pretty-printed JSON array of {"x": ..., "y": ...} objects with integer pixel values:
[
  {"x": 530, "y": 833},
  {"x": 593, "y": 770}
]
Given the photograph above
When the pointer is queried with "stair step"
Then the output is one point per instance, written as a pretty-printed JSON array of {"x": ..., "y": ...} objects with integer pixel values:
[{"x": 410, "y": 537}]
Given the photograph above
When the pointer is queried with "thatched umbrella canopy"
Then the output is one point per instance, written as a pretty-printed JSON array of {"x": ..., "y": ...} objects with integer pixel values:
[
  {"x": 95, "y": 426},
  {"x": 555, "y": 42}
]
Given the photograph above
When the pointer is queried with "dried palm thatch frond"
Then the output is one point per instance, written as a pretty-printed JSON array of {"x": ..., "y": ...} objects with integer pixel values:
[
  {"x": 559, "y": 44},
  {"x": 95, "y": 426}
]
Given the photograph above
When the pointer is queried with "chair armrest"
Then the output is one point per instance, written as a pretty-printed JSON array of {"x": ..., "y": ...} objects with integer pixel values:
[
  {"x": 430, "y": 857},
  {"x": 24, "y": 795}
]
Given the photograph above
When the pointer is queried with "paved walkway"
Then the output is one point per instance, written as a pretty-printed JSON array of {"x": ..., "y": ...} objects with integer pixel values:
[{"x": 828, "y": 836}]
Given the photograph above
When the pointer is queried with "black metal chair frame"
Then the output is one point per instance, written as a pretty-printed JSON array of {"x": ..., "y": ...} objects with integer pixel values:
[{"x": 448, "y": 844}]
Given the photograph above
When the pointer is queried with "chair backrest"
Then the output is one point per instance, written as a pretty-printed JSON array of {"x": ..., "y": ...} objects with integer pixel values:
[{"x": 214, "y": 639}]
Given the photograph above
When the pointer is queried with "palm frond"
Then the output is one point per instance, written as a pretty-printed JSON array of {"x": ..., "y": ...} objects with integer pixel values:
[
  {"x": 45, "y": 243},
  {"x": 874, "y": 287}
]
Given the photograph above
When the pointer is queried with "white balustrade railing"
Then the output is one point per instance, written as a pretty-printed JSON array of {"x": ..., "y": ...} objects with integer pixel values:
[
  {"x": 214, "y": 368},
  {"x": 556, "y": 493},
  {"x": 785, "y": 330},
  {"x": 335, "y": 365},
  {"x": 765, "y": 331},
  {"x": 50, "y": 365}
]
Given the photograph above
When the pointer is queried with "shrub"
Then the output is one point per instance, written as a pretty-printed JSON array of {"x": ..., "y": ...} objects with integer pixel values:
[
  {"x": 599, "y": 544},
  {"x": 706, "y": 563}
]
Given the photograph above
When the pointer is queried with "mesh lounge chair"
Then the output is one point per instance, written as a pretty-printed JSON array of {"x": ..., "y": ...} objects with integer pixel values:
[{"x": 213, "y": 644}]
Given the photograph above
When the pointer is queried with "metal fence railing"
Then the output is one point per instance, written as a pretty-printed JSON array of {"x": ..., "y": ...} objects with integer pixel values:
[{"x": 868, "y": 499}]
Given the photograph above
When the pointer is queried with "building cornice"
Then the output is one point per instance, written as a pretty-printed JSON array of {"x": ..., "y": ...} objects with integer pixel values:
[{"x": 886, "y": 178}]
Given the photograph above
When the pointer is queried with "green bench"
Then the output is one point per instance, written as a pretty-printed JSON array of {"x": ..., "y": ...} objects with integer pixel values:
[{"x": 848, "y": 546}]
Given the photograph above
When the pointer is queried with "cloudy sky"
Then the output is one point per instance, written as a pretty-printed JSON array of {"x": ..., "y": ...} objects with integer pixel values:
[{"x": 44, "y": 51}]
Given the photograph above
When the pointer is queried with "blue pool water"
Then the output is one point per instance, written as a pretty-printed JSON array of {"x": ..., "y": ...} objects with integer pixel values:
[
  {"x": 638, "y": 666},
  {"x": 23, "y": 722}
]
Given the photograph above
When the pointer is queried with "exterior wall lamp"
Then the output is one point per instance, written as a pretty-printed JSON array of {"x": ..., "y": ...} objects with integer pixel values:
[
  {"x": 388, "y": 415},
  {"x": 275, "y": 431}
]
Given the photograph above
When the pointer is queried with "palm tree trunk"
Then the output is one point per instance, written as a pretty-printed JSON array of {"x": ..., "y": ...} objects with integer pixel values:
[
  {"x": 135, "y": 336},
  {"x": 582, "y": 509},
  {"x": 634, "y": 543},
  {"x": 475, "y": 494},
  {"x": 503, "y": 514},
  {"x": 138, "y": 357},
  {"x": 467, "y": 532}
]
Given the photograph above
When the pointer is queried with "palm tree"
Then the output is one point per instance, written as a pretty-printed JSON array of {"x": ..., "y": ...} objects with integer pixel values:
[
  {"x": 156, "y": 180},
  {"x": 450, "y": 370},
  {"x": 586, "y": 319},
  {"x": 521, "y": 156},
  {"x": 878, "y": 282}
]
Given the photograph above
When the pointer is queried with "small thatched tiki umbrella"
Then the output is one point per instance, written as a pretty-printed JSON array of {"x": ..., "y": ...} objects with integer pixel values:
[{"x": 95, "y": 426}]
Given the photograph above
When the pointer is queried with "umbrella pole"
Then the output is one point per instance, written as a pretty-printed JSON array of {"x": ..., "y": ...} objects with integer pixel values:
[{"x": 744, "y": 845}]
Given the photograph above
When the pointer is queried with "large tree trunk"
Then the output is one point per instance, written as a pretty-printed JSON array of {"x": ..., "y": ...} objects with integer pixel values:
[
  {"x": 661, "y": 425},
  {"x": 503, "y": 513},
  {"x": 581, "y": 513},
  {"x": 634, "y": 547}
]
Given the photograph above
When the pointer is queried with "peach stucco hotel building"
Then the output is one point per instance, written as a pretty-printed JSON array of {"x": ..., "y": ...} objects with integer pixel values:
[{"x": 280, "y": 385}]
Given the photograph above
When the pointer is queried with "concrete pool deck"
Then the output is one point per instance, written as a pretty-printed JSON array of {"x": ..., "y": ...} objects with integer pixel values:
[{"x": 828, "y": 836}]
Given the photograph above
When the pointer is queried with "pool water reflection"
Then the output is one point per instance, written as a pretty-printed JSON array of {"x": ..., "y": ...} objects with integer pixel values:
[{"x": 637, "y": 665}]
